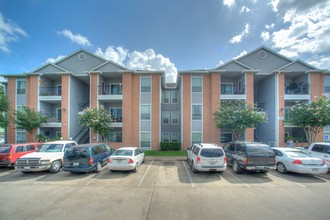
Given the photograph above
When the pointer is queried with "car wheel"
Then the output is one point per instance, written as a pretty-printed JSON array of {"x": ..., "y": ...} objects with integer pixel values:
[
  {"x": 135, "y": 168},
  {"x": 281, "y": 168},
  {"x": 98, "y": 167},
  {"x": 25, "y": 172},
  {"x": 236, "y": 167},
  {"x": 56, "y": 166}
]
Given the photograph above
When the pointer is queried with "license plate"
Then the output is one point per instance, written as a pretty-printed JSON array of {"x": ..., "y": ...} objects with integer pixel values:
[
  {"x": 315, "y": 169},
  {"x": 75, "y": 164},
  {"x": 260, "y": 167},
  {"x": 118, "y": 161},
  {"x": 27, "y": 168},
  {"x": 212, "y": 163}
]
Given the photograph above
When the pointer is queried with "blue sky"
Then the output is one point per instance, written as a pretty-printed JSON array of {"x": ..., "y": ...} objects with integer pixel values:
[{"x": 161, "y": 34}]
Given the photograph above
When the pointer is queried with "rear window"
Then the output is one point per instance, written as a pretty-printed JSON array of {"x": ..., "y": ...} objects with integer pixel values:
[
  {"x": 4, "y": 148},
  {"x": 259, "y": 149},
  {"x": 297, "y": 154},
  {"x": 212, "y": 152},
  {"x": 77, "y": 152},
  {"x": 123, "y": 153}
]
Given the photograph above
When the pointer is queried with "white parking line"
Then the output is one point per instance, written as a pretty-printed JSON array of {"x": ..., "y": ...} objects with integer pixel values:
[
  {"x": 145, "y": 174},
  {"x": 237, "y": 179},
  {"x": 96, "y": 177},
  {"x": 272, "y": 174},
  {"x": 317, "y": 176},
  {"x": 191, "y": 182}
]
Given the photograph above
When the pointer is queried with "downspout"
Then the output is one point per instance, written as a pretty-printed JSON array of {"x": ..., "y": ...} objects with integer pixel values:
[{"x": 276, "y": 109}]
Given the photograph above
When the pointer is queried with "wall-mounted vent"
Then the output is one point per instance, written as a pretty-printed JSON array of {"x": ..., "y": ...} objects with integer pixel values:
[
  {"x": 82, "y": 56},
  {"x": 262, "y": 54}
]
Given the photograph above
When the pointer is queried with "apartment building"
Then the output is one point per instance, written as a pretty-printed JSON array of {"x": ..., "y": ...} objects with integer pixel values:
[{"x": 147, "y": 109}]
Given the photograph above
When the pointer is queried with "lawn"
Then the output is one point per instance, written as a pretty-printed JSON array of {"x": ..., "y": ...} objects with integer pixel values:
[{"x": 165, "y": 153}]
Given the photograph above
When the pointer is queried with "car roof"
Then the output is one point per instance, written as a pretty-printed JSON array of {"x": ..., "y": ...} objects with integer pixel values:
[
  {"x": 89, "y": 145},
  {"x": 127, "y": 148},
  {"x": 59, "y": 142},
  {"x": 208, "y": 145},
  {"x": 285, "y": 149},
  {"x": 325, "y": 143}
]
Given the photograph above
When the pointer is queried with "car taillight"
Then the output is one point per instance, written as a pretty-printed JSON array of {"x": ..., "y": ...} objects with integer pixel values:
[
  {"x": 297, "y": 162},
  {"x": 225, "y": 159},
  {"x": 9, "y": 157},
  {"x": 130, "y": 161},
  {"x": 198, "y": 160},
  {"x": 108, "y": 160},
  {"x": 91, "y": 161},
  {"x": 245, "y": 160},
  {"x": 323, "y": 162}
]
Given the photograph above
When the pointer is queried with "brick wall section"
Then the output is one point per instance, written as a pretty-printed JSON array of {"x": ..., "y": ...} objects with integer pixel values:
[
  {"x": 249, "y": 80},
  {"x": 215, "y": 104},
  {"x": 32, "y": 88},
  {"x": 155, "y": 126},
  {"x": 135, "y": 108},
  {"x": 65, "y": 107},
  {"x": 11, "y": 134},
  {"x": 281, "y": 107},
  {"x": 316, "y": 91},
  {"x": 207, "y": 108},
  {"x": 94, "y": 82},
  {"x": 127, "y": 109},
  {"x": 186, "y": 110}
]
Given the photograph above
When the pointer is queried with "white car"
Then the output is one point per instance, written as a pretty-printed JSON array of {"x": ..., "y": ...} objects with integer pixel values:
[
  {"x": 126, "y": 158},
  {"x": 207, "y": 157},
  {"x": 320, "y": 150},
  {"x": 295, "y": 160},
  {"x": 48, "y": 157}
]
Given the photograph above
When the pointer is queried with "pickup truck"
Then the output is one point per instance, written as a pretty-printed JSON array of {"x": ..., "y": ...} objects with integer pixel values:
[
  {"x": 49, "y": 156},
  {"x": 249, "y": 156},
  {"x": 320, "y": 150}
]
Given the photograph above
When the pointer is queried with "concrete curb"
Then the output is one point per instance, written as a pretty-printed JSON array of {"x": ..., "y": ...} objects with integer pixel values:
[{"x": 169, "y": 158}]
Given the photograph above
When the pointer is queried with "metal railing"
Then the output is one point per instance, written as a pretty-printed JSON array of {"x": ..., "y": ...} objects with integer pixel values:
[
  {"x": 228, "y": 89},
  {"x": 53, "y": 117},
  {"x": 108, "y": 90},
  {"x": 50, "y": 91},
  {"x": 297, "y": 88}
]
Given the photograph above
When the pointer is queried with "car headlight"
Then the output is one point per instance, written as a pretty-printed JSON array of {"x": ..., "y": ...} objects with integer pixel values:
[{"x": 44, "y": 162}]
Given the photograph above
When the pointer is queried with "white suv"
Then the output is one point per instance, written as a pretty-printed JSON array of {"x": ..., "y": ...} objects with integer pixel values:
[
  {"x": 320, "y": 150},
  {"x": 48, "y": 157},
  {"x": 207, "y": 157}
]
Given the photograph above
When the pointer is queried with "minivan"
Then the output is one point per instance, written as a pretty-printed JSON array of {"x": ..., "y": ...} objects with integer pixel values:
[{"x": 86, "y": 157}]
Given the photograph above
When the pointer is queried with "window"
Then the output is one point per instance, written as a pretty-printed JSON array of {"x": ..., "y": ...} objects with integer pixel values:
[
  {"x": 327, "y": 84},
  {"x": 196, "y": 150},
  {"x": 145, "y": 112},
  {"x": 145, "y": 139},
  {"x": 59, "y": 114},
  {"x": 196, "y": 138},
  {"x": 318, "y": 148},
  {"x": 116, "y": 136},
  {"x": 226, "y": 88},
  {"x": 175, "y": 118},
  {"x": 175, "y": 137},
  {"x": 175, "y": 97},
  {"x": 225, "y": 137},
  {"x": 116, "y": 89},
  {"x": 19, "y": 149},
  {"x": 59, "y": 89},
  {"x": 196, "y": 84},
  {"x": 21, "y": 86},
  {"x": 30, "y": 147},
  {"x": 232, "y": 147},
  {"x": 145, "y": 84},
  {"x": 166, "y": 117},
  {"x": 196, "y": 112},
  {"x": 20, "y": 136},
  {"x": 58, "y": 134},
  {"x": 116, "y": 114},
  {"x": 166, "y": 97},
  {"x": 165, "y": 137}
]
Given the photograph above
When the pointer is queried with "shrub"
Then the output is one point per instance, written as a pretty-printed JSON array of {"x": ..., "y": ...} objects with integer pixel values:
[{"x": 168, "y": 146}]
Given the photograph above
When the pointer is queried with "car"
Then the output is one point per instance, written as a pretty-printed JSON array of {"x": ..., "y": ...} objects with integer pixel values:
[
  {"x": 86, "y": 157},
  {"x": 9, "y": 153},
  {"x": 320, "y": 150},
  {"x": 252, "y": 156},
  {"x": 206, "y": 157},
  {"x": 126, "y": 158},
  {"x": 295, "y": 160},
  {"x": 48, "y": 157}
]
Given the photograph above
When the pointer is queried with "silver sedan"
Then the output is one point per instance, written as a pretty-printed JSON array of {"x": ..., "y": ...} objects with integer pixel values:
[
  {"x": 295, "y": 160},
  {"x": 126, "y": 158}
]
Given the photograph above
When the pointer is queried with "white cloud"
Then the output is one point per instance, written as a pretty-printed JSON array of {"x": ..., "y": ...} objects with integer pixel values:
[
  {"x": 53, "y": 60},
  {"x": 238, "y": 38},
  {"x": 269, "y": 26},
  {"x": 75, "y": 38},
  {"x": 322, "y": 62},
  {"x": 219, "y": 63},
  {"x": 265, "y": 36},
  {"x": 241, "y": 54},
  {"x": 229, "y": 3},
  {"x": 9, "y": 32},
  {"x": 245, "y": 9},
  {"x": 118, "y": 54}
]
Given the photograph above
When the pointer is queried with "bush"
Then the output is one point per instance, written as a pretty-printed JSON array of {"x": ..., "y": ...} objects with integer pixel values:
[{"x": 168, "y": 146}]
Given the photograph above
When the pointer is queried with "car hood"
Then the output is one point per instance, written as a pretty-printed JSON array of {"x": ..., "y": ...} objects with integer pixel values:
[{"x": 44, "y": 155}]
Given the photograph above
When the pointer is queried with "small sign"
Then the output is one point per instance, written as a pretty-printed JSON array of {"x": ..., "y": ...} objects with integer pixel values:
[{"x": 326, "y": 137}]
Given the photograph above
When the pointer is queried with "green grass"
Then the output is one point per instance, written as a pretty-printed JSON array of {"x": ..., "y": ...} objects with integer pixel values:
[{"x": 165, "y": 153}]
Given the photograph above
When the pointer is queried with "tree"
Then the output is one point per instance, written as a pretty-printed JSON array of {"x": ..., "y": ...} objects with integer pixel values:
[
  {"x": 4, "y": 108},
  {"x": 29, "y": 120},
  {"x": 312, "y": 117},
  {"x": 99, "y": 120},
  {"x": 237, "y": 116}
]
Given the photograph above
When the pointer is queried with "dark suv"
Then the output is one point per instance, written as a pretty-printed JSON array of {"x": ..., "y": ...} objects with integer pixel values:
[{"x": 249, "y": 156}]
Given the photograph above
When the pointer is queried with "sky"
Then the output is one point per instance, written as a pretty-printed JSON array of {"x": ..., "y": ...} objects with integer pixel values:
[{"x": 168, "y": 35}]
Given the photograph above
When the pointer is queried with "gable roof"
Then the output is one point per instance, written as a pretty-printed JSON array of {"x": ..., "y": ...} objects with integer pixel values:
[
  {"x": 49, "y": 66},
  {"x": 299, "y": 63},
  {"x": 109, "y": 64},
  {"x": 233, "y": 63},
  {"x": 77, "y": 52}
]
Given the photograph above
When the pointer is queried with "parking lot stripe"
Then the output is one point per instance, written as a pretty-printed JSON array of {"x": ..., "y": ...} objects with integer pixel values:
[
  {"x": 96, "y": 177},
  {"x": 191, "y": 182},
  {"x": 317, "y": 176},
  {"x": 145, "y": 174},
  {"x": 272, "y": 174},
  {"x": 237, "y": 179}
]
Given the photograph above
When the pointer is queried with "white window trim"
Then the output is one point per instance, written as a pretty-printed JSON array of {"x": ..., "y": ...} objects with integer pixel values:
[
  {"x": 178, "y": 118},
  {"x": 19, "y": 80},
  {"x": 169, "y": 97},
  {"x": 149, "y": 112},
  {"x": 169, "y": 117},
  {"x": 150, "y": 79},
  {"x": 57, "y": 109},
  {"x": 169, "y": 136},
  {"x": 176, "y": 99},
  {"x": 177, "y": 135}
]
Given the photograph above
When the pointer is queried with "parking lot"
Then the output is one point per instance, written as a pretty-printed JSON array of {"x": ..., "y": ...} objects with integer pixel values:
[{"x": 163, "y": 190}]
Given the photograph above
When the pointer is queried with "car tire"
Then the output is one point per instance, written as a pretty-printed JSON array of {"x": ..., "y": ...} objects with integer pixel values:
[
  {"x": 135, "y": 168},
  {"x": 281, "y": 168},
  {"x": 98, "y": 167},
  {"x": 236, "y": 167},
  {"x": 25, "y": 172},
  {"x": 55, "y": 167}
]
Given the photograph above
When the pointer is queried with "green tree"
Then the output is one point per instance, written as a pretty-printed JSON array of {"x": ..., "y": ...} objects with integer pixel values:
[
  {"x": 4, "y": 108},
  {"x": 237, "y": 116},
  {"x": 29, "y": 120},
  {"x": 99, "y": 120},
  {"x": 312, "y": 117}
]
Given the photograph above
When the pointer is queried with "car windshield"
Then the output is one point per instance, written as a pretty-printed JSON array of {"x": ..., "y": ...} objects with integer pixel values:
[
  {"x": 123, "y": 153},
  {"x": 296, "y": 154},
  {"x": 81, "y": 152},
  {"x": 213, "y": 152},
  {"x": 50, "y": 148},
  {"x": 259, "y": 149},
  {"x": 4, "y": 148}
]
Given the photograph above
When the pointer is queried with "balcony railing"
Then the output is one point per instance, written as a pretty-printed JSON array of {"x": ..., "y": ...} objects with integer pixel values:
[
  {"x": 228, "y": 89},
  {"x": 50, "y": 91},
  {"x": 117, "y": 118},
  {"x": 297, "y": 88},
  {"x": 53, "y": 117},
  {"x": 110, "y": 90}
]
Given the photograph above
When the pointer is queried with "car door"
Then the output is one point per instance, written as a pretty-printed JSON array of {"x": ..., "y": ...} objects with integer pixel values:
[
  {"x": 19, "y": 151},
  {"x": 229, "y": 150},
  {"x": 138, "y": 156}
]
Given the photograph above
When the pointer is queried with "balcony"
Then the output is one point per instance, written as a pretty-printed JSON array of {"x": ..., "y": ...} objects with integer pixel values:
[
  {"x": 54, "y": 120},
  {"x": 50, "y": 91},
  {"x": 297, "y": 88},
  {"x": 113, "y": 92},
  {"x": 230, "y": 91}
]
